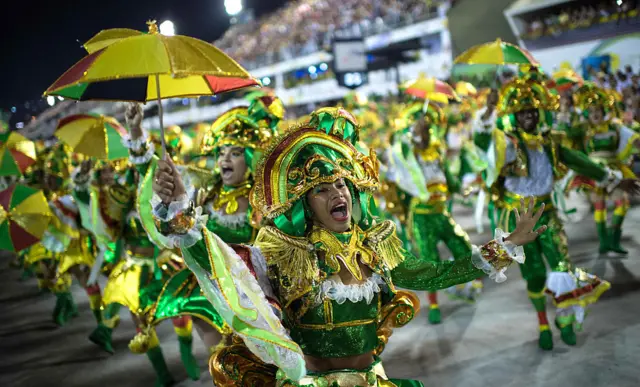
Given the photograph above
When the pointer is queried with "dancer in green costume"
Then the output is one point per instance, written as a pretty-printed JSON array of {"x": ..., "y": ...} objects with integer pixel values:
[
  {"x": 422, "y": 170},
  {"x": 315, "y": 296},
  {"x": 526, "y": 159},
  {"x": 610, "y": 143},
  {"x": 235, "y": 140},
  {"x": 137, "y": 278}
]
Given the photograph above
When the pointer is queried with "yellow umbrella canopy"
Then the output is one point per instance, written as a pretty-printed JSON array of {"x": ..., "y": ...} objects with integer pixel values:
[
  {"x": 93, "y": 135},
  {"x": 430, "y": 88},
  {"x": 496, "y": 53},
  {"x": 129, "y": 65},
  {"x": 17, "y": 153},
  {"x": 465, "y": 89}
]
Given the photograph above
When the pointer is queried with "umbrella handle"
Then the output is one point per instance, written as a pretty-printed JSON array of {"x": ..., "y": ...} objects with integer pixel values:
[
  {"x": 425, "y": 106},
  {"x": 164, "y": 145}
]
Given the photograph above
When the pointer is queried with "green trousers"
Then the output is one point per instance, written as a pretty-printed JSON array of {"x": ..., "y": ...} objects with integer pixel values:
[{"x": 429, "y": 229}]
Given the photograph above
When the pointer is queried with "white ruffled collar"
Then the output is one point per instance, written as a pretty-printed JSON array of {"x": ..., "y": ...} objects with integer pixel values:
[{"x": 335, "y": 290}]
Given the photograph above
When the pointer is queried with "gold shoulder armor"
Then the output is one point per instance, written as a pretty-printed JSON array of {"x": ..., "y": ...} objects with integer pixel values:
[
  {"x": 382, "y": 239},
  {"x": 291, "y": 260}
]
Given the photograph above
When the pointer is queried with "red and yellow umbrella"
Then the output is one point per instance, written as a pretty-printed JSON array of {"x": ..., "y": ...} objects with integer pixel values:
[
  {"x": 565, "y": 79},
  {"x": 93, "y": 135},
  {"x": 24, "y": 217},
  {"x": 129, "y": 65},
  {"x": 466, "y": 89},
  {"x": 17, "y": 153},
  {"x": 431, "y": 89},
  {"x": 496, "y": 53}
]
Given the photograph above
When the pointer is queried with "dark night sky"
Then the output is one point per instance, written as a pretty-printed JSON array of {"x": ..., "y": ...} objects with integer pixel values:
[{"x": 41, "y": 39}]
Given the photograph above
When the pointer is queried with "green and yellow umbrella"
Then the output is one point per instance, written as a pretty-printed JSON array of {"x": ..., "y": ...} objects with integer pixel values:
[
  {"x": 129, "y": 65},
  {"x": 93, "y": 135},
  {"x": 496, "y": 53},
  {"x": 17, "y": 153},
  {"x": 24, "y": 217}
]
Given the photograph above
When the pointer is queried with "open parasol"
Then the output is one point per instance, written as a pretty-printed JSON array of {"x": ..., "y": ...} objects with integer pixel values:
[
  {"x": 431, "y": 89},
  {"x": 17, "y": 153},
  {"x": 24, "y": 217},
  {"x": 565, "y": 79},
  {"x": 496, "y": 53},
  {"x": 466, "y": 89},
  {"x": 93, "y": 135},
  {"x": 128, "y": 65}
]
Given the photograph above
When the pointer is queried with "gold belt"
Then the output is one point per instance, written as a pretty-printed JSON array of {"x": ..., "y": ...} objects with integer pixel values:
[{"x": 375, "y": 377}]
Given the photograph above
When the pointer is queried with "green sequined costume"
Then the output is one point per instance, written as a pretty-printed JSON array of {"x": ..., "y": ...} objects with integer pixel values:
[{"x": 283, "y": 295}]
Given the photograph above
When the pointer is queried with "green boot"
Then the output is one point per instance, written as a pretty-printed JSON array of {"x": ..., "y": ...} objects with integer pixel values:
[
  {"x": 616, "y": 235},
  {"x": 65, "y": 308},
  {"x": 565, "y": 324},
  {"x": 101, "y": 336},
  {"x": 27, "y": 272},
  {"x": 164, "y": 378},
  {"x": 435, "y": 316},
  {"x": 603, "y": 236},
  {"x": 189, "y": 361},
  {"x": 545, "y": 341}
]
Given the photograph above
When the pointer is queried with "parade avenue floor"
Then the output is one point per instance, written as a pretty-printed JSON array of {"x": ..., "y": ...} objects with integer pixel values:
[{"x": 491, "y": 343}]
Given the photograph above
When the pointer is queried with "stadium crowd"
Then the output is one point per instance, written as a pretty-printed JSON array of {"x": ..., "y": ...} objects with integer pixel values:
[
  {"x": 305, "y": 26},
  {"x": 580, "y": 14}
]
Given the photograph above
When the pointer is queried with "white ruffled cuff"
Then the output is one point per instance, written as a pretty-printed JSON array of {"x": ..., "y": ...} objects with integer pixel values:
[
  {"x": 612, "y": 180},
  {"x": 192, "y": 236},
  {"x": 144, "y": 158},
  {"x": 167, "y": 213},
  {"x": 515, "y": 252},
  {"x": 136, "y": 144},
  {"x": 495, "y": 252},
  {"x": 80, "y": 182}
]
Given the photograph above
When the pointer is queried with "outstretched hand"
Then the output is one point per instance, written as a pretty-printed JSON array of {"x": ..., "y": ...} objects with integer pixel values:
[
  {"x": 524, "y": 232},
  {"x": 167, "y": 182}
]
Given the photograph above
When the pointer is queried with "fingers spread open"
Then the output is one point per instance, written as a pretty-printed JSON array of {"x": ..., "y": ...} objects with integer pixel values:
[
  {"x": 538, "y": 213},
  {"x": 541, "y": 229}
]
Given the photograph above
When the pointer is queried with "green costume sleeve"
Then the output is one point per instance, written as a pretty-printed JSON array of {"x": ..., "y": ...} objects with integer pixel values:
[
  {"x": 417, "y": 274},
  {"x": 582, "y": 164}
]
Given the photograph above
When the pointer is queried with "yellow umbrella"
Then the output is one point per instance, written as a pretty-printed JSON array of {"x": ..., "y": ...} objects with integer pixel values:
[
  {"x": 24, "y": 217},
  {"x": 93, "y": 135},
  {"x": 496, "y": 53},
  {"x": 17, "y": 153},
  {"x": 465, "y": 89},
  {"x": 128, "y": 65},
  {"x": 431, "y": 89}
]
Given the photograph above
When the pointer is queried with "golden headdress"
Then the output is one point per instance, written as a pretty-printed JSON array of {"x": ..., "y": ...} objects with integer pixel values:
[
  {"x": 236, "y": 128},
  {"x": 320, "y": 151},
  {"x": 521, "y": 94}
]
